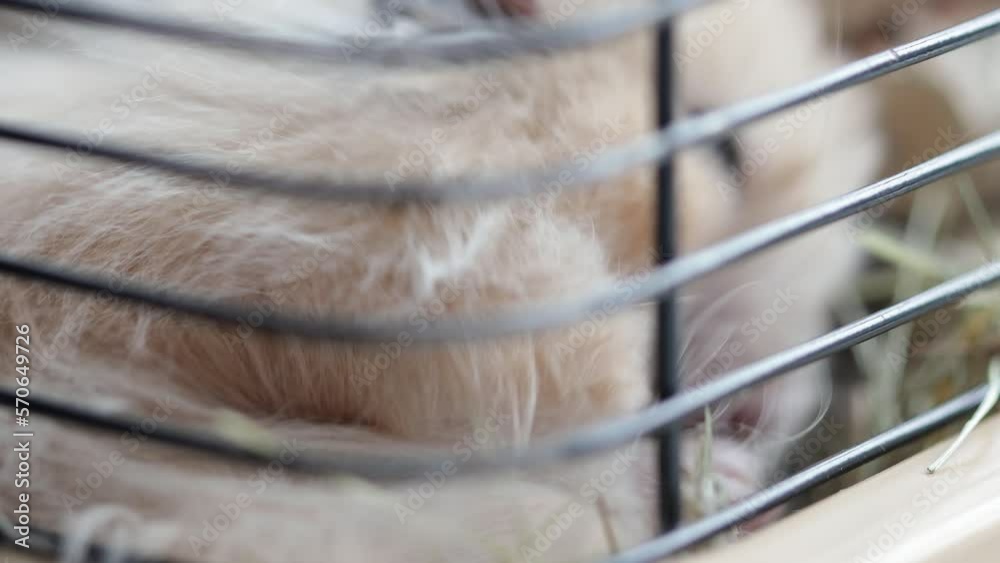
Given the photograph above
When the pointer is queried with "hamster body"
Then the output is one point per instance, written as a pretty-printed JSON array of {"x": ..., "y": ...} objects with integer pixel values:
[{"x": 413, "y": 262}]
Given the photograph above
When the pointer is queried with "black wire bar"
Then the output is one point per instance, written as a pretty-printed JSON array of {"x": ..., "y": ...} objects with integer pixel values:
[
  {"x": 667, "y": 338},
  {"x": 541, "y": 316},
  {"x": 704, "y": 529},
  {"x": 487, "y": 40},
  {"x": 648, "y": 150},
  {"x": 809, "y": 478},
  {"x": 596, "y": 438},
  {"x": 662, "y": 419}
]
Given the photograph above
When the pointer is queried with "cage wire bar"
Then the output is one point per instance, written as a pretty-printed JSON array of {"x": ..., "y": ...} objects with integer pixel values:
[
  {"x": 588, "y": 442},
  {"x": 696, "y": 264},
  {"x": 667, "y": 340},
  {"x": 660, "y": 281},
  {"x": 680, "y": 134},
  {"x": 673, "y": 273},
  {"x": 694, "y": 533},
  {"x": 493, "y": 40},
  {"x": 648, "y": 150},
  {"x": 783, "y": 491}
]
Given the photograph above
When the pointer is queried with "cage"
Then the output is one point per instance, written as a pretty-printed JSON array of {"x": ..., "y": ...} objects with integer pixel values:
[{"x": 662, "y": 418}]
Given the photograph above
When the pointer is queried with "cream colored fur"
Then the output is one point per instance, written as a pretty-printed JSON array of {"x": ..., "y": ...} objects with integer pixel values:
[{"x": 415, "y": 262}]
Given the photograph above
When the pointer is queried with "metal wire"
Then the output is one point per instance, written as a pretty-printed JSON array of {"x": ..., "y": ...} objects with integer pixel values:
[
  {"x": 704, "y": 529},
  {"x": 782, "y": 492},
  {"x": 503, "y": 41},
  {"x": 614, "y": 162},
  {"x": 583, "y": 443},
  {"x": 540, "y": 316},
  {"x": 667, "y": 341},
  {"x": 491, "y": 39}
]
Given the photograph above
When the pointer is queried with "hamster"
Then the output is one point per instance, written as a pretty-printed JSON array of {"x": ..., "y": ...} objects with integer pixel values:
[
  {"x": 784, "y": 164},
  {"x": 416, "y": 262}
]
